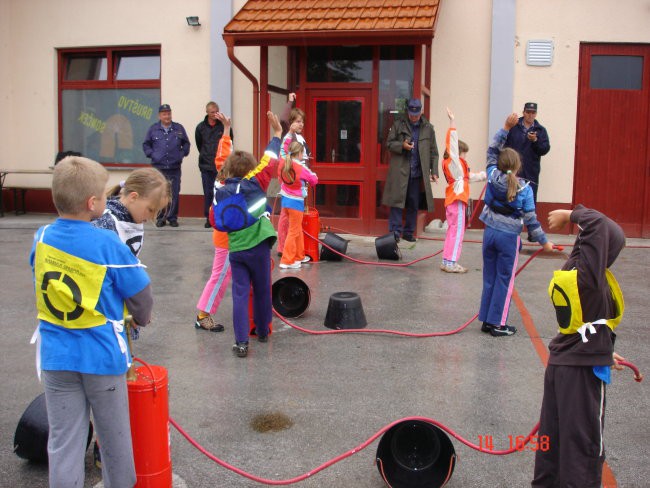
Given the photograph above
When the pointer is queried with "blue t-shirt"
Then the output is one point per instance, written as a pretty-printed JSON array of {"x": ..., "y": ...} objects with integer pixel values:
[{"x": 94, "y": 350}]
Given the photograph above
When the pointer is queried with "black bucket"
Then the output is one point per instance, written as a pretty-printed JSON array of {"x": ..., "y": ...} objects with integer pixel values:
[
  {"x": 30, "y": 439},
  {"x": 387, "y": 248},
  {"x": 345, "y": 311},
  {"x": 415, "y": 454},
  {"x": 290, "y": 296},
  {"x": 335, "y": 242}
]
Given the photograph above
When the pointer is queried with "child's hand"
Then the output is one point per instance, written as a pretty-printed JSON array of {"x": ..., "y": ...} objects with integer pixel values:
[
  {"x": 511, "y": 121},
  {"x": 225, "y": 120},
  {"x": 295, "y": 127},
  {"x": 292, "y": 97},
  {"x": 558, "y": 218},
  {"x": 274, "y": 122},
  {"x": 450, "y": 114},
  {"x": 616, "y": 365},
  {"x": 548, "y": 246}
]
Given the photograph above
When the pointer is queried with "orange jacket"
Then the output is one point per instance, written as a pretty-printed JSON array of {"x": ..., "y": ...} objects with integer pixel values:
[
  {"x": 220, "y": 239},
  {"x": 456, "y": 171}
]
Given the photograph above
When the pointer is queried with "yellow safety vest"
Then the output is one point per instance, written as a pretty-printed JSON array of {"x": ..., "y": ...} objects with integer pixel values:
[
  {"x": 563, "y": 291},
  {"x": 67, "y": 288}
]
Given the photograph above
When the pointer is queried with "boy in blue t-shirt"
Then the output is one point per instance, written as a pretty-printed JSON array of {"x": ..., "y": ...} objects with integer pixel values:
[{"x": 83, "y": 278}]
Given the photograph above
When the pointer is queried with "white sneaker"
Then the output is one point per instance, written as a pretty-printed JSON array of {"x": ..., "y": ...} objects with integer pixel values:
[
  {"x": 306, "y": 259},
  {"x": 295, "y": 265}
]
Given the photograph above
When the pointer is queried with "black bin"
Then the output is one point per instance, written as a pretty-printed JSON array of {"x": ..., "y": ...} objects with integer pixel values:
[
  {"x": 345, "y": 311},
  {"x": 337, "y": 243}
]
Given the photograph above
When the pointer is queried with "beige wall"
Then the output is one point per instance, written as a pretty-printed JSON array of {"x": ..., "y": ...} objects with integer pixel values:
[
  {"x": 555, "y": 88},
  {"x": 31, "y": 30},
  {"x": 34, "y": 29}
]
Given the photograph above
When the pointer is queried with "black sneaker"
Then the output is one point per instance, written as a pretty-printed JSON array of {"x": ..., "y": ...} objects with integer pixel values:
[
  {"x": 409, "y": 238},
  {"x": 503, "y": 330},
  {"x": 207, "y": 224},
  {"x": 263, "y": 338},
  {"x": 240, "y": 349},
  {"x": 160, "y": 223},
  {"x": 485, "y": 327},
  {"x": 174, "y": 223}
]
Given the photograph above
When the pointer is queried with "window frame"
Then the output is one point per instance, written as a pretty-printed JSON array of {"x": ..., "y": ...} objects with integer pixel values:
[{"x": 112, "y": 54}]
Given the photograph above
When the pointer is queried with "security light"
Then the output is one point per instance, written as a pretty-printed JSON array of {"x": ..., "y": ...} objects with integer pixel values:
[{"x": 193, "y": 21}]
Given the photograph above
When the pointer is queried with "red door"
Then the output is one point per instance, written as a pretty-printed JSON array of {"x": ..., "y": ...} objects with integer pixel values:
[
  {"x": 338, "y": 131},
  {"x": 612, "y": 165}
]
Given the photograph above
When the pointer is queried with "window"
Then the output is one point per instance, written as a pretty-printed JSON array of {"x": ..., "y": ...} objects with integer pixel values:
[
  {"x": 340, "y": 64},
  {"x": 616, "y": 72},
  {"x": 108, "y": 99}
]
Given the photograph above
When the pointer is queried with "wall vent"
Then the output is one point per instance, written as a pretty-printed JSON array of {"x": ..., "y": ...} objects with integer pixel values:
[{"x": 539, "y": 52}]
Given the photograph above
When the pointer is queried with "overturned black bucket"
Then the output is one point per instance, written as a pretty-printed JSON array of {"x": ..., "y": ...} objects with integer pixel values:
[
  {"x": 415, "y": 454},
  {"x": 30, "y": 439},
  {"x": 337, "y": 243},
  {"x": 345, "y": 311},
  {"x": 387, "y": 248},
  {"x": 290, "y": 296}
]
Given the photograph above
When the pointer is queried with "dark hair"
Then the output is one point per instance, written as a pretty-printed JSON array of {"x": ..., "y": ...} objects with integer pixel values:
[
  {"x": 462, "y": 148},
  {"x": 64, "y": 154}
]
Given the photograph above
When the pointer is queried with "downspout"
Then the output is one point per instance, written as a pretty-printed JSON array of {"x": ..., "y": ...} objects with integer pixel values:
[{"x": 256, "y": 96}]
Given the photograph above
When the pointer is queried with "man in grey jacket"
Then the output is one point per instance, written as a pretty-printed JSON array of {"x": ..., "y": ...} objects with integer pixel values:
[{"x": 413, "y": 165}]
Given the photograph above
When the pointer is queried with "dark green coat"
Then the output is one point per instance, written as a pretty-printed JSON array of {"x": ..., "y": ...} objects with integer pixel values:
[{"x": 399, "y": 169}]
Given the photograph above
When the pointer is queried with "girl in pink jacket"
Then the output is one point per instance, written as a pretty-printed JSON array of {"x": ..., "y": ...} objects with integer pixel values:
[{"x": 294, "y": 179}]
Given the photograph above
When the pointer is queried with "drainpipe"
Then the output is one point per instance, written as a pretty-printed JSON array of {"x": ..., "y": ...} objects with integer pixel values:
[{"x": 256, "y": 97}]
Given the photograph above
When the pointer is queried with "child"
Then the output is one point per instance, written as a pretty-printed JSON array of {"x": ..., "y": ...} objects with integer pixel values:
[
  {"x": 458, "y": 176},
  {"x": 294, "y": 179},
  {"x": 589, "y": 305},
  {"x": 84, "y": 277},
  {"x": 296, "y": 125},
  {"x": 216, "y": 286},
  {"x": 240, "y": 209},
  {"x": 508, "y": 206},
  {"x": 131, "y": 203}
]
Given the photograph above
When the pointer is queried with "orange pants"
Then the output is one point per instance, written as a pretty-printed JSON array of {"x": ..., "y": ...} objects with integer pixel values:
[{"x": 294, "y": 245}]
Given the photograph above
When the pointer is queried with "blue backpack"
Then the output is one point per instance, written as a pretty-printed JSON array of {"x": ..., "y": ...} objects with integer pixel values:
[{"x": 233, "y": 213}]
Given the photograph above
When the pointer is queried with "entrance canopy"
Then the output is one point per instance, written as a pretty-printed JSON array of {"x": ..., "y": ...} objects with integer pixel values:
[{"x": 293, "y": 22}]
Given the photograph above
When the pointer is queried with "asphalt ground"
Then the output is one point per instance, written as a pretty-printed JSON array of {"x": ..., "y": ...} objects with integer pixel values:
[{"x": 337, "y": 390}]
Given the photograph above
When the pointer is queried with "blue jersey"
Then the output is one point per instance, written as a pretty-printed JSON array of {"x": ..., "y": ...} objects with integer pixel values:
[{"x": 82, "y": 277}]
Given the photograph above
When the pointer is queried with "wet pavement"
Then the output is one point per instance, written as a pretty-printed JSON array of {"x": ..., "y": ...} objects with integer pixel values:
[{"x": 337, "y": 390}]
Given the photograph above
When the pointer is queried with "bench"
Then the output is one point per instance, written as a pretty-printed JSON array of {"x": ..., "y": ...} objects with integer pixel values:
[
  {"x": 19, "y": 193},
  {"x": 19, "y": 190}
]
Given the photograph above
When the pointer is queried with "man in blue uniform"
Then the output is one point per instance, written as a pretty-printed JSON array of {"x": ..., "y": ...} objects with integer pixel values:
[{"x": 166, "y": 144}]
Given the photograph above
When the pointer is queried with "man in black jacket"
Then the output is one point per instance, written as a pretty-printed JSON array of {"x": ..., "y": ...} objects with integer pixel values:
[{"x": 207, "y": 136}]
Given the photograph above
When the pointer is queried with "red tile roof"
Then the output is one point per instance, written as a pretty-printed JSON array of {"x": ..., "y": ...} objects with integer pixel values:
[{"x": 279, "y": 21}]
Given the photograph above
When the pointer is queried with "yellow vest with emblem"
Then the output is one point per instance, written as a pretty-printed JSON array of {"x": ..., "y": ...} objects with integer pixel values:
[
  {"x": 563, "y": 291},
  {"x": 67, "y": 288}
]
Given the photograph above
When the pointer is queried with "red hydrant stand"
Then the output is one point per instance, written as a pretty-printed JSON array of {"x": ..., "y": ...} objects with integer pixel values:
[{"x": 149, "y": 412}]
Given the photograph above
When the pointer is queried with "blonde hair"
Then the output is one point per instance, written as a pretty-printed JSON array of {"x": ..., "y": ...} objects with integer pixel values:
[
  {"x": 295, "y": 150},
  {"x": 238, "y": 164},
  {"x": 510, "y": 163},
  {"x": 147, "y": 183},
  {"x": 75, "y": 179}
]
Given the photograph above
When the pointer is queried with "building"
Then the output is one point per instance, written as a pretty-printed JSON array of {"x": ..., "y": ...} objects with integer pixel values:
[{"x": 93, "y": 73}]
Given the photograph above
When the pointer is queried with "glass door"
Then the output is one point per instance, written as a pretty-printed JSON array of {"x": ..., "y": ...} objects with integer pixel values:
[{"x": 338, "y": 127}]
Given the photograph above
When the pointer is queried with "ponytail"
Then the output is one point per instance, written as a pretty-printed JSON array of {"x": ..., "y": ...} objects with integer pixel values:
[
  {"x": 510, "y": 163},
  {"x": 294, "y": 152}
]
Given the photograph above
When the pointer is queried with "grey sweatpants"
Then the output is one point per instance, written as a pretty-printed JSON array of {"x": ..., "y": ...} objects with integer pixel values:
[{"x": 69, "y": 397}]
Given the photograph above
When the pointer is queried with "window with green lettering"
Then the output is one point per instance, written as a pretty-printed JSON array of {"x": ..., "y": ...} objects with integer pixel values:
[{"x": 108, "y": 99}]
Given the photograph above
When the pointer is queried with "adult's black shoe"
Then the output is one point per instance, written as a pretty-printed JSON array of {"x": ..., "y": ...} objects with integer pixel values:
[
  {"x": 160, "y": 223},
  {"x": 409, "y": 238},
  {"x": 174, "y": 223},
  {"x": 207, "y": 224}
]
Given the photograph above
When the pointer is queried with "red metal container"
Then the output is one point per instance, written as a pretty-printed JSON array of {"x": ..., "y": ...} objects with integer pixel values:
[
  {"x": 149, "y": 412},
  {"x": 311, "y": 225}
]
